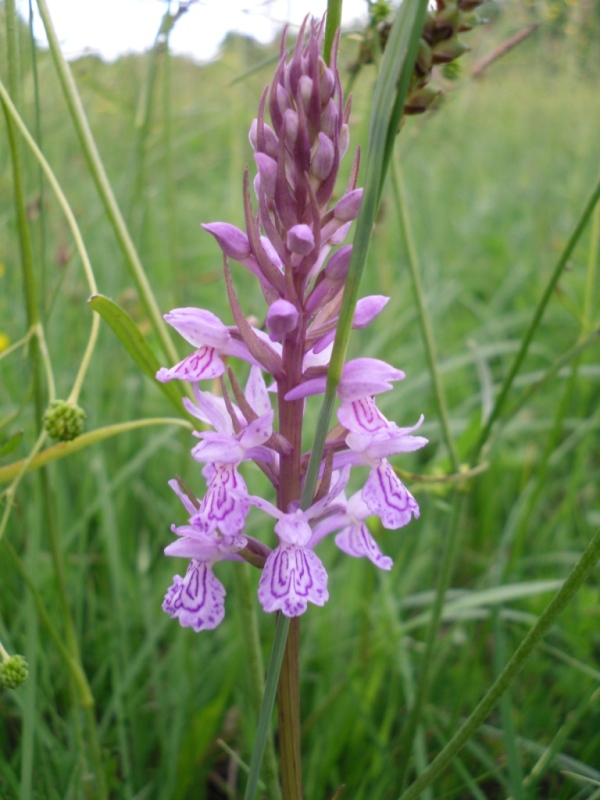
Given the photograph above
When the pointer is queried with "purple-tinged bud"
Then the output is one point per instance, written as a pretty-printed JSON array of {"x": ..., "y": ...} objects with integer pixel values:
[
  {"x": 282, "y": 318},
  {"x": 322, "y": 160},
  {"x": 290, "y": 128},
  {"x": 283, "y": 99},
  {"x": 344, "y": 139},
  {"x": 232, "y": 241},
  {"x": 329, "y": 118},
  {"x": 267, "y": 169},
  {"x": 305, "y": 87},
  {"x": 367, "y": 309},
  {"x": 271, "y": 253},
  {"x": 348, "y": 207},
  {"x": 300, "y": 240},
  {"x": 326, "y": 82},
  {"x": 337, "y": 266},
  {"x": 271, "y": 146}
]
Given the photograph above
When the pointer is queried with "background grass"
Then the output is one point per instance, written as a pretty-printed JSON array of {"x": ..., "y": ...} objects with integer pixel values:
[{"x": 495, "y": 179}]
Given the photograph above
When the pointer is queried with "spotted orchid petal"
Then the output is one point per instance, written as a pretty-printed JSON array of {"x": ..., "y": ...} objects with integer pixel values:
[
  {"x": 225, "y": 505},
  {"x": 197, "y": 600},
  {"x": 292, "y": 577},
  {"x": 388, "y": 498}
]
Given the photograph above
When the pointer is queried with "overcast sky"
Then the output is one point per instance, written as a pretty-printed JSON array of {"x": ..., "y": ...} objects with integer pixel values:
[{"x": 112, "y": 27}]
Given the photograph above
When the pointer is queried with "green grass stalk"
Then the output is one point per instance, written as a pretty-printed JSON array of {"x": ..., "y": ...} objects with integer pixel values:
[
  {"x": 423, "y": 315},
  {"x": 103, "y": 186},
  {"x": 561, "y": 599},
  {"x": 537, "y": 316}
]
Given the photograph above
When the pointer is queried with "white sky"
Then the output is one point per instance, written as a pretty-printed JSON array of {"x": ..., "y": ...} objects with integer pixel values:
[{"x": 112, "y": 27}]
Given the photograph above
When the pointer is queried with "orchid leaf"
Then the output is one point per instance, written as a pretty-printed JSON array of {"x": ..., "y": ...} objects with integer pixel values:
[{"x": 135, "y": 343}]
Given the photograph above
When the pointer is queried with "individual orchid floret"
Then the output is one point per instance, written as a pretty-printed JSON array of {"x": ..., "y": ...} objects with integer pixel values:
[
  {"x": 293, "y": 575},
  {"x": 354, "y": 538},
  {"x": 206, "y": 332},
  {"x": 197, "y": 599},
  {"x": 361, "y": 377},
  {"x": 384, "y": 493}
]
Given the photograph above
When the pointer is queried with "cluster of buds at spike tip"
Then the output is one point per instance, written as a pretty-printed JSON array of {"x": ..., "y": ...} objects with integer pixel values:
[
  {"x": 293, "y": 245},
  {"x": 439, "y": 45},
  {"x": 63, "y": 420}
]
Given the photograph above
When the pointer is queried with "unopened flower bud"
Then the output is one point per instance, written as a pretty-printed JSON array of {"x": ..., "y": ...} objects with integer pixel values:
[
  {"x": 447, "y": 51},
  {"x": 326, "y": 82},
  {"x": 348, "y": 207},
  {"x": 63, "y": 420},
  {"x": 267, "y": 169},
  {"x": 232, "y": 241},
  {"x": 305, "y": 86},
  {"x": 344, "y": 139},
  {"x": 300, "y": 240},
  {"x": 283, "y": 99},
  {"x": 290, "y": 127},
  {"x": 282, "y": 318},
  {"x": 270, "y": 144},
  {"x": 13, "y": 672},
  {"x": 337, "y": 266},
  {"x": 322, "y": 160},
  {"x": 329, "y": 119}
]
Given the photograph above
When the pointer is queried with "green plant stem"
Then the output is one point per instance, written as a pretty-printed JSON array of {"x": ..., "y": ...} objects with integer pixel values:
[
  {"x": 254, "y": 664},
  {"x": 288, "y": 710},
  {"x": 266, "y": 711},
  {"x": 63, "y": 449},
  {"x": 333, "y": 21},
  {"x": 103, "y": 186},
  {"x": 537, "y": 316},
  {"x": 575, "y": 579},
  {"x": 423, "y": 315}
]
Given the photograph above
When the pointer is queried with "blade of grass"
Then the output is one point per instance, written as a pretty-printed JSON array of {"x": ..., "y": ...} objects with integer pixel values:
[
  {"x": 390, "y": 92},
  {"x": 103, "y": 186},
  {"x": 575, "y": 579},
  {"x": 537, "y": 316}
]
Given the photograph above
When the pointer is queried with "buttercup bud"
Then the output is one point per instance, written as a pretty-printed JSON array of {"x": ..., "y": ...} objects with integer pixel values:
[{"x": 63, "y": 420}]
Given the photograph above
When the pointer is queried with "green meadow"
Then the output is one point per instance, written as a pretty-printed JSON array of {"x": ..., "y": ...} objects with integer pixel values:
[{"x": 484, "y": 193}]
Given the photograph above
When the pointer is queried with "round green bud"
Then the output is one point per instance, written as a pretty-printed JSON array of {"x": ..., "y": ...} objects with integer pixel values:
[
  {"x": 13, "y": 672},
  {"x": 63, "y": 420}
]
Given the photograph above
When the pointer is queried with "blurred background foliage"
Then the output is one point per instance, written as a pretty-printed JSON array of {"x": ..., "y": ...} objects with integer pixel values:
[{"x": 495, "y": 177}]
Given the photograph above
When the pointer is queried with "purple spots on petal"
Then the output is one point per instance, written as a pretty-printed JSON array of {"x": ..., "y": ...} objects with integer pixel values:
[
  {"x": 292, "y": 577},
  {"x": 388, "y": 498},
  {"x": 197, "y": 599},
  {"x": 225, "y": 504},
  {"x": 362, "y": 416},
  {"x": 356, "y": 541}
]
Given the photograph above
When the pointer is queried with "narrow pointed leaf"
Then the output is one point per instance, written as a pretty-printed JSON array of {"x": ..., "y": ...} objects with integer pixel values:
[{"x": 135, "y": 343}]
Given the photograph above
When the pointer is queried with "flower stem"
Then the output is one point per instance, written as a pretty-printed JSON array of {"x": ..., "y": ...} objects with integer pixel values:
[{"x": 288, "y": 710}]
